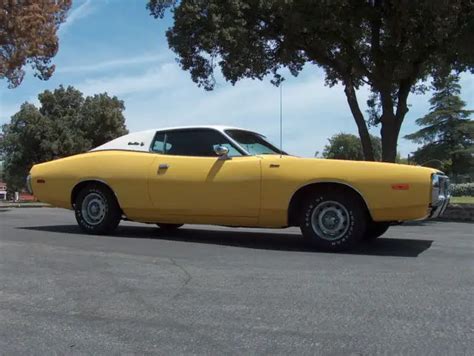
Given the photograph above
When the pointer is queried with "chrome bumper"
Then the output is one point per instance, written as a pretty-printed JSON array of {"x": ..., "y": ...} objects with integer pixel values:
[
  {"x": 437, "y": 211},
  {"x": 440, "y": 195}
]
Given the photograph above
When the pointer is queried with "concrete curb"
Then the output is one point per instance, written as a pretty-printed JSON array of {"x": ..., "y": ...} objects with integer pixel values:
[{"x": 23, "y": 205}]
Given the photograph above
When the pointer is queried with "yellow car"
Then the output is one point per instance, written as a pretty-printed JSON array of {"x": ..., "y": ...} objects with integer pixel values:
[{"x": 234, "y": 177}]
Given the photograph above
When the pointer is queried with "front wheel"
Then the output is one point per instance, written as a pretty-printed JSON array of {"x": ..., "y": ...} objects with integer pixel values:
[
  {"x": 97, "y": 210},
  {"x": 334, "y": 220}
]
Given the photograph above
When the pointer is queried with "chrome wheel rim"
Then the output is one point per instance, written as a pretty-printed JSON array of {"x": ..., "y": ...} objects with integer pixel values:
[
  {"x": 330, "y": 220},
  {"x": 93, "y": 209}
]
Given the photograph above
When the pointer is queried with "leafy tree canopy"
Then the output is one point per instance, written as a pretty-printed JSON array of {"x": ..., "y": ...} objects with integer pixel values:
[
  {"x": 348, "y": 146},
  {"x": 28, "y": 36},
  {"x": 65, "y": 124},
  {"x": 447, "y": 133},
  {"x": 389, "y": 45}
]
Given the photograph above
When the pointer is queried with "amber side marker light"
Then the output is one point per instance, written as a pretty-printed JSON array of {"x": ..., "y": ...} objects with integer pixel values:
[
  {"x": 401, "y": 186},
  {"x": 40, "y": 181}
]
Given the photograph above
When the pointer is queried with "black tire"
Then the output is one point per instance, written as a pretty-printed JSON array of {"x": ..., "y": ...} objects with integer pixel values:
[
  {"x": 376, "y": 229},
  {"x": 169, "y": 227},
  {"x": 97, "y": 198},
  {"x": 334, "y": 220}
]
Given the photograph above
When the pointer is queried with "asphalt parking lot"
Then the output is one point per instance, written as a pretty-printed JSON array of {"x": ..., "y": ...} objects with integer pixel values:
[{"x": 212, "y": 290}]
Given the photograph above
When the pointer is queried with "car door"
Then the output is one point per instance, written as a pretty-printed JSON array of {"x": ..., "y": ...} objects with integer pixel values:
[{"x": 189, "y": 179}]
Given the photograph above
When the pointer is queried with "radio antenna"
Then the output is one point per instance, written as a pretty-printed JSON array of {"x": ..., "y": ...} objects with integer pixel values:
[{"x": 281, "y": 118}]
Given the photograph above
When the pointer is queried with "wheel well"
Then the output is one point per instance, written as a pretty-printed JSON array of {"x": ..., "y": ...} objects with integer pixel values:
[
  {"x": 298, "y": 198},
  {"x": 81, "y": 185}
]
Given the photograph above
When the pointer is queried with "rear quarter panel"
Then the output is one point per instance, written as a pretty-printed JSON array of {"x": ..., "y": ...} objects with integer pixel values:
[{"x": 124, "y": 171}]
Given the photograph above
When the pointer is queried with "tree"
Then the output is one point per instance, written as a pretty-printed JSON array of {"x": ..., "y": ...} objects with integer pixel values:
[
  {"x": 28, "y": 36},
  {"x": 64, "y": 125},
  {"x": 389, "y": 45},
  {"x": 348, "y": 146},
  {"x": 447, "y": 135}
]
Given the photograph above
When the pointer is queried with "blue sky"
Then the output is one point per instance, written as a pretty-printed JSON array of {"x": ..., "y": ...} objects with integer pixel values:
[{"x": 117, "y": 47}]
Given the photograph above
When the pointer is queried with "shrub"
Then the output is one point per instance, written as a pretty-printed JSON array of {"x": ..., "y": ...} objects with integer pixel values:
[{"x": 462, "y": 190}]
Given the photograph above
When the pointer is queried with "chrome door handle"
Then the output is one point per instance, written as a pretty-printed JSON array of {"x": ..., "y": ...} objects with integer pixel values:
[{"x": 163, "y": 166}]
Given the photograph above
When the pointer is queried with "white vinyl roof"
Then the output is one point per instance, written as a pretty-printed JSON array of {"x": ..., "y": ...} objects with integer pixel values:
[{"x": 141, "y": 140}]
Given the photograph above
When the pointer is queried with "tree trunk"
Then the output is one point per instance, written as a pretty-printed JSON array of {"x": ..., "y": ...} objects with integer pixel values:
[
  {"x": 392, "y": 121},
  {"x": 389, "y": 132},
  {"x": 367, "y": 148}
]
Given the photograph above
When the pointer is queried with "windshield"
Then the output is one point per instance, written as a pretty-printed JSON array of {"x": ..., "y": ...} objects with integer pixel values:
[{"x": 253, "y": 143}]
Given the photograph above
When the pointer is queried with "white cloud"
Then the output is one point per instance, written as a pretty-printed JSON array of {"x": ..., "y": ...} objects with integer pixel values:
[
  {"x": 113, "y": 64},
  {"x": 165, "y": 96},
  {"x": 153, "y": 79},
  {"x": 82, "y": 11},
  {"x": 161, "y": 94}
]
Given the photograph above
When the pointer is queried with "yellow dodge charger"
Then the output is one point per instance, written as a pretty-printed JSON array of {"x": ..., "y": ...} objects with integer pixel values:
[{"x": 234, "y": 177}]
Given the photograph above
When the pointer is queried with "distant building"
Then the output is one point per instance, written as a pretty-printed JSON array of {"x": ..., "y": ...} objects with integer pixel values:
[
  {"x": 25, "y": 196},
  {"x": 3, "y": 191},
  {"x": 3, "y": 186}
]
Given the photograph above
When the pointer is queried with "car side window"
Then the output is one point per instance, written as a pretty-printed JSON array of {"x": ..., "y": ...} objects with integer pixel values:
[
  {"x": 159, "y": 143},
  {"x": 192, "y": 142}
]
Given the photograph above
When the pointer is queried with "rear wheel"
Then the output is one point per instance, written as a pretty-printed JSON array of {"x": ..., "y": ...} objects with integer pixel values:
[
  {"x": 334, "y": 220},
  {"x": 97, "y": 210},
  {"x": 376, "y": 229}
]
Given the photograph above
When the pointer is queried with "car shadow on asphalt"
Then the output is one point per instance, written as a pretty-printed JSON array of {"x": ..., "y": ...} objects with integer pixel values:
[{"x": 397, "y": 247}]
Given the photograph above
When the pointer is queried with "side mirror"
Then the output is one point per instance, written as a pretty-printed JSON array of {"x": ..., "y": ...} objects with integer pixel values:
[{"x": 221, "y": 151}]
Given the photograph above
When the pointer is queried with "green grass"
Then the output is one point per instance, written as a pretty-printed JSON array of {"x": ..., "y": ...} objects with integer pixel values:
[{"x": 462, "y": 200}]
